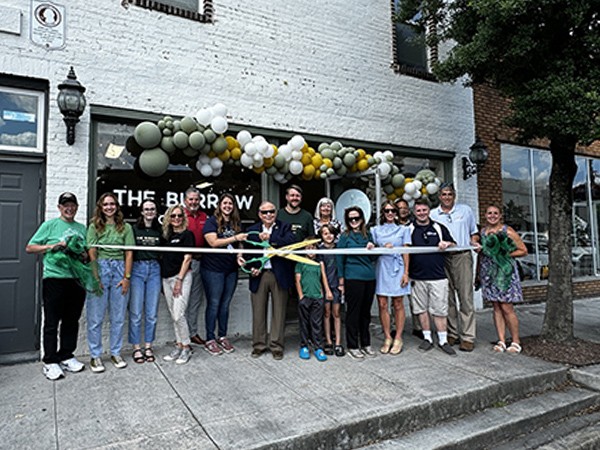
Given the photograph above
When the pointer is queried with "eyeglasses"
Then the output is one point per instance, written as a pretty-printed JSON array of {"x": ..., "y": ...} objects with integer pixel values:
[
  {"x": 389, "y": 211},
  {"x": 354, "y": 219},
  {"x": 176, "y": 216},
  {"x": 267, "y": 211}
]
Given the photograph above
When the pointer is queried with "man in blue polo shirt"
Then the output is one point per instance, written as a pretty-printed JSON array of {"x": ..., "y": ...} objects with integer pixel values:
[{"x": 429, "y": 290}]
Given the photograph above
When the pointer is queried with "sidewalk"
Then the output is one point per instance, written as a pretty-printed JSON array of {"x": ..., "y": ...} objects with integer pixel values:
[{"x": 236, "y": 402}]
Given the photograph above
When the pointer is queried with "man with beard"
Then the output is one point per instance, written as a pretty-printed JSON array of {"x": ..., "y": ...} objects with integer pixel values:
[{"x": 300, "y": 219}]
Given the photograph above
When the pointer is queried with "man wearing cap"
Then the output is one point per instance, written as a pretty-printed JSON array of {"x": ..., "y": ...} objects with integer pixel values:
[
  {"x": 196, "y": 220},
  {"x": 300, "y": 219},
  {"x": 460, "y": 220},
  {"x": 63, "y": 296}
]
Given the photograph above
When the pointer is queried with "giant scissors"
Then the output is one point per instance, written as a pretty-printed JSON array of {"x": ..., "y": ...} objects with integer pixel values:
[{"x": 281, "y": 252}]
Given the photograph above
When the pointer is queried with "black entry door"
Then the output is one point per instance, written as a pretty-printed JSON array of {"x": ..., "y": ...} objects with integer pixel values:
[{"x": 19, "y": 218}]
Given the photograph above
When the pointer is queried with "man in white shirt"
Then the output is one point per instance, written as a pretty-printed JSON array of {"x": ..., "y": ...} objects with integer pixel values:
[{"x": 461, "y": 222}]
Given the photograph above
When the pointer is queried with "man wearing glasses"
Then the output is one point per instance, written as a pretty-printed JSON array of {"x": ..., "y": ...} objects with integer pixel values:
[
  {"x": 275, "y": 277},
  {"x": 460, "y": 220},
  {"x": 196, "y": 220},
  {"x": 429, "y": 291}
]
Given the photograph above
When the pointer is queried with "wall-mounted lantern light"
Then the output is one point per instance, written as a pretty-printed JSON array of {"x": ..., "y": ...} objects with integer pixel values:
[
  {"x": 71, "y": 102},
  {"x": 477, "y": 158}
]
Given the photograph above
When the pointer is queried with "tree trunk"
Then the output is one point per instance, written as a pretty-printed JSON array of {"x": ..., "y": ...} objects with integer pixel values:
[{"x": 558, "y": 320}]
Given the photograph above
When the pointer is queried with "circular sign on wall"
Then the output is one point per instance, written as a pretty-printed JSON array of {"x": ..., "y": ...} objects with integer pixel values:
[{"x": 353, "y": 197}]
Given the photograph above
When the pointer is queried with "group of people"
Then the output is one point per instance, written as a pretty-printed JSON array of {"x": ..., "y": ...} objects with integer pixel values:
[{"x": 440, "y": 283}]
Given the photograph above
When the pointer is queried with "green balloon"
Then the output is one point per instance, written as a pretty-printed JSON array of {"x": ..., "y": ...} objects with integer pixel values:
[
  {"x": 323, "y": 168},
  {"x": 330, "y": 172},
  {"x": 189, "y": 151},
  {"x": 180, "y": 139},
  {"x": 209, "y": 135},
  {"x": 388, "y": 188},
  {"x": 323, "y": 175},
  {"x": 349, "y": 159},
  {"x": 279, "y": 161},
  {"x": 323, "y": 146},
  {"x": 161, "y": 124},
  {"x": 197, "y": 140},
  {"x": 341, "y": 171},
  {"x": 154, "y": 162},
  {"x": 167, "y": 132},
  {"x": 168, "y": 119},
  {"x": 188, "y": 124},
  {"x": 271, "y": 170},
  {"x": 220, "y": 145},
  {"x": 167, "y": 144},
  {"x": 335, "y": 145},
  {"x": 337, "y": 163},
  {"x": 328, "y": 153},
  {"x": 147, "y": 135},
  {"x": 205, "y": 150},
  {"x": 176, "y": 125},
  {"x": 398, "y": 180}
]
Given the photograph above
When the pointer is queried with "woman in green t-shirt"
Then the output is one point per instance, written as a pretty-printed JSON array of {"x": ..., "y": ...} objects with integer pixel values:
[{"x": 113, "y": 269}]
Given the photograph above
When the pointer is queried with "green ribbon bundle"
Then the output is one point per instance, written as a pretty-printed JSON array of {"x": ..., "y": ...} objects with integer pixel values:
[
  {"x": 498, "y": 247},
  {"x": 73, "y": 258}
]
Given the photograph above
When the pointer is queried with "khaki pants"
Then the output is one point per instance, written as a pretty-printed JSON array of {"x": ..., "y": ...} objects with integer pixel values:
[
  {"x": 260, "y": 300},
  {"x": 461, "y": 317},
  {"x": 178, "y": 305}
]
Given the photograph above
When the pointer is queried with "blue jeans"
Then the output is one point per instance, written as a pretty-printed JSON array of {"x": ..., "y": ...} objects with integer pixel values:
[
  {"x": 219, "y": 288},
  {"x": 111, "y": 273},
  {"x": 145, "y": 293}
]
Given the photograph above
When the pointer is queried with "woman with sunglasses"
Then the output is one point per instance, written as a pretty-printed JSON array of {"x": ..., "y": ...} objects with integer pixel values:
[
  {"x": 177, "y": 280},
  {"x": 112, "y": 267},
  {"x": 220, "y": 272},
  {"x": 145, "y": 283},
  {"x": 357, "y": 281},
  {"x": 392, "y": 275}
]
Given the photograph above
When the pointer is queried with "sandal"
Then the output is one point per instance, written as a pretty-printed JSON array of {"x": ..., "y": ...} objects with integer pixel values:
[
  {"x": 385, "y": 348},
  {"x": 500, "y": 347},
  {"x": 397, "y": 347},
  {"x": 339, "y": 351},
  {"x": 515, "y": 348},
  {"x": 149, "y": 354},
  {"x": 138, "y": 356}
]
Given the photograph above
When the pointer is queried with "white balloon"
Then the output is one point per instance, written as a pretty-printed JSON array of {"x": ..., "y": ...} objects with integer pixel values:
[
  {"x": 258, "y": 138},
  {"x": 219, "y": 125},
  {"x": 270, "y": 151},
  {"x": 246, "y": 160},
  {"x": 243, "y": 137},
  {"x": 286, "y": 151},
  {"x": 250, "y": 148},
  {"x": 417, "y": 195},
  {"x": 204, "y": 116},
  {"x": 297, "y": 142},
  {"x": 257, "y": 163},
  {"x": 217, "y": 172},
  {"x": 432, "y": 188},
  {"x": 204, "y": 159},
  {"x": 296, "y": 167},
  {"x": 296, "y": 155},
  {"x": 411, "y": 203},
  {"x": 384, "y": 169},
  {"x": 199, "y": 165},
  {"x": 418, "y": 184},
  {"x": 407, "y": 197},
  {"x": 388, "y": 155},
  {"x": 216, "y": 163},
  {"x": 258, "y": 158},
  {"x": 206, "y": 170},
  {"x": 262, "y": 146},
  {"x": 219, "y": 109},
  {"x": 378, "y": 154},
  {"x": 410, "y": 188},
  {"x": 437, "y": 181}
]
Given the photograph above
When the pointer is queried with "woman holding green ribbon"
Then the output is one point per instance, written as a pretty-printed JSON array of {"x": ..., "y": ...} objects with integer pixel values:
[{"x": 497, "y": 272}]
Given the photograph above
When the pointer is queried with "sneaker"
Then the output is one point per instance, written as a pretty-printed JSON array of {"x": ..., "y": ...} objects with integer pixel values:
[
  {"x": 72, "y": 365},
  {"x": 320, "y": 355},
  {"x": 225, "y": 345},
  {"x": 173, "y": 355},
  {"x": 447, "y": 349},
  {"x": 184, "y": 356},
  {"x": 355, "y": 353},
  {"x": 118, "y": 362},
  {"x": 256, "y": 353},
  {"x": 368, "y": 351},
  {"x": 339, "y": 351},
  {"x": 96, "y": 365},
  {"x": 53, "y": 371},
  {"x": 212, "y": 348},
  {"x": 328, "y": 349},
  {"x": 425, "y": 346},
  {"x": 305, "y": 353}
]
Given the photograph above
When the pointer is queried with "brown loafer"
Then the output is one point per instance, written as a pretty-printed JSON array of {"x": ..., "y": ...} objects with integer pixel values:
[
  {"x": 466, "y": 346},
  {"x": 452, "y": 340},
  {"x": 197, "y": 340}
]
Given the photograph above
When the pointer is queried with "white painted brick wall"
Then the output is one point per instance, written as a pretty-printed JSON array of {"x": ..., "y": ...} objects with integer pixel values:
[{"x": 306, "y": 66}]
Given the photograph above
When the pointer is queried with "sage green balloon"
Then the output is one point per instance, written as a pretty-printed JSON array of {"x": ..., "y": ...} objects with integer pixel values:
[
  {"x": 147, "y": 135},
  {"x": 201, "y": 128},
  {"x": 335, "y": 145},
  {"x": 330, "y": 172},
  {"x": 398, "y": 180},
  {"x": 342, "y": 171},
  {"x": 197, "y": 140},
  {"x": 167, "y": 144},
  {"x": 388, "y": 188},
  {"x": 176, "y": 125},
  {"x": 188, "y": 124},
  {"x": 349, "y": 159},
  {"x": 210, "y": 135},
  {"x": 323, "y": 168},
  {"x": 191, "y": 152},
  {"x": 279, "y": 161},
  {"x": 219, "y": 146},
  {"x": 161, "y": 124},
  {"x": 323, "y": 175},
  {"x": 181, "y": 140},
  {"x": 337, "y": 163},
  {"x": 167, "y": 132},
  {"x": 154, "y": 162},
  {"x": 168, "y": 119},
  {"x": 328, "y": 153},
  {"x": 323, "y": 146},
  {"x": 370, "y": 161},
  {"x": 169, "y": 124},
  {"x": 395, "y": 169},
  {"x": 271, "y": 170},
  {"x": 205, "y": 150}
]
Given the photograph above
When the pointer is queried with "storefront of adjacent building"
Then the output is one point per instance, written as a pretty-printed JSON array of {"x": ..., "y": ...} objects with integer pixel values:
[
  {"x": 328, "y": 71},
  {"x": 517, "y": 177}
]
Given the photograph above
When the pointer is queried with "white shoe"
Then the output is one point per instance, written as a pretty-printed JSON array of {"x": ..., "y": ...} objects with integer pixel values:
[
  {"x": 354, "y": 353},
  {"x": 53, "y": 372},
  {"x": 368, "y": 351},
  {"x": 96, "y": 365},
  {"x": 173, "y": 355},
  {"x": 184, "y": 356},
  {"x": 72, "y": 365},
  {"x": 118, "y": 362}
]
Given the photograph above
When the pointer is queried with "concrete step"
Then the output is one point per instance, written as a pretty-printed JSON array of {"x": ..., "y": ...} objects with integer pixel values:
[
  {"x": 497, "y": 424},
  {"x": 581, "y": 431}
]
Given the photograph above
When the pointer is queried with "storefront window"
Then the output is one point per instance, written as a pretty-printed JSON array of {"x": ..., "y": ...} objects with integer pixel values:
[{"x": 21, "y": 120}]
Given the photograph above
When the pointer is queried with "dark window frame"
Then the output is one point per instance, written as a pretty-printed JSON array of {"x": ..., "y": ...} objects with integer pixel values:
[{"x": 206, "y": 16}]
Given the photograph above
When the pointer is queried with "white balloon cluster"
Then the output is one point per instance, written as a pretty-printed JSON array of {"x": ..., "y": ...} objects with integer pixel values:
[{"x": 215, "y": 119}]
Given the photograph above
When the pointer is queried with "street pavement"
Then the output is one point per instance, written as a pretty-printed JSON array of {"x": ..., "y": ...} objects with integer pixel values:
[{"x": 236, "y": 402}]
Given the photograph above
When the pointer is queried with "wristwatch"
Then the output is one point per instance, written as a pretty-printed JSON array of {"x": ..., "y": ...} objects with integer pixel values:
[{"x": 127, "y": 276}]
